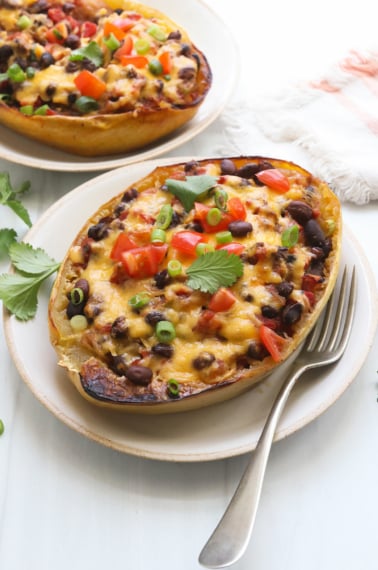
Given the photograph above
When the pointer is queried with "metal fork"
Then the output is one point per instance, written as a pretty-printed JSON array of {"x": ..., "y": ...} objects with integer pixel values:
[{"x": 325, "y": 345}]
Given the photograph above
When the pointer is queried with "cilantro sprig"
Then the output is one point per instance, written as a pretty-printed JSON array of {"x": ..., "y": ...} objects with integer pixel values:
[
  {"x": 213, "y": 270},
  {"x": 19, "y": 290},
  {"x": 10, "y": 197},
  {"x": 192, "y": 189}
]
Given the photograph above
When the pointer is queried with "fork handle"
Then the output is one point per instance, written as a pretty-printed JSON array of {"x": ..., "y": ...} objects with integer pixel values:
[{"x": 231, "y": 537}]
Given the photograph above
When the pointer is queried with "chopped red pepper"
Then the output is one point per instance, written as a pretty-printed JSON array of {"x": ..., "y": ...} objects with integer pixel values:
[
  {"x": 273, "y": 342},
  {"x": 88, "y": 29},
  {"x": 138, "y": 61},
  {"x": 89, "y": 85},
  {"x": 236, "y": 209},
  {"x": 187, "y": 241},
  {"x": 222, "y": 300},
  {"x": 110, "y": 28},
  {"x": 143, "y": 261},
  {"x": 166, "y": 62},
  {"x": 233, "y": 247},
  {"x": 125, "y": 49},
  {"x": 275, "y": 179}
]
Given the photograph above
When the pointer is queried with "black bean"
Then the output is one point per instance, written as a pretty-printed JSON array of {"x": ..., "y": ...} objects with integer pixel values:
[
  {"x": 292, "y": 313},
  {"x": 50, "y": 90},
  {"x": 5, "y": 52},
  {"x": 269, "y": 312},
  {"x": 84, "y": 286},
  {"x": 140, "y": 375},
  {"x": 284, "y": 289},
  {"x": 72, "y": 41},
  {"x": 248, "y": 170},
  {"x": 240, "y": 228},
  {"x": 203, "y": 360},
  {"x": 68, "y": 7},
  {"x": 75, "y": 309},
  {"x": 191, "y": 166},
  {"x": 227, "y": 166},
  {"x": 46, "y": 60},
  {"x": 119, "y": 327},
  {"x": 154, "y": 317},
  {"x": 162, "y": 349},
  {"x": 256, "y": 350},
  {"x": 130, "y": 195},
  {"x": 71, "y": 98},
  {"x": 176, "y": 35},
  {"x": 162, "y": 278},
  {"x": 185, "y": 49},
  {"x": 314, "y": 235},
  {"x": 72, "y": 66},
  {"x": 39, "y": 6},
  {"x": 300, "y": 211},
  {"x": 98, "y": 231}
]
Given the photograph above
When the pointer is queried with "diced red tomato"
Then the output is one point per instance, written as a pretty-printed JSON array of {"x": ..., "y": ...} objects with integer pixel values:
[
  {"x": 125, "y": 49},
  {"x": 143, "y": 261},
  {"x": 124, "y": 24},
  {"x": 110, "y": 28},
  {"x": 275, "y": 179},
  {"x": 233, "y": 247},
  {"x": 122, "y": 243},
  {"x": 187, "y": 241},
  {"x": 310, "y": 281},
  {"x": 138, "y": 61},
  {"x": 222, "y": 300},
  {"x": 273, "y": 342},
  {"x": 166, "y": 62},
  {"x": 236, "y": 209},
  {"x": 200, "y": 214},
  {"x": 89, "y": 85},
  {"x": 88, "y": 29},
  {"x": 73, "y": 23},
  {"x": 56, "y": 14}
]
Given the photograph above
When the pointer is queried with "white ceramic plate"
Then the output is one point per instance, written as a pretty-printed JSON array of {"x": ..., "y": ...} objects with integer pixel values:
[
  {"x": 216, "y": 432},
  {"x": 211, "y": 35}
]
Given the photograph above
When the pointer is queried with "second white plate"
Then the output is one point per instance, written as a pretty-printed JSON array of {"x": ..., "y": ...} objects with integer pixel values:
[{"x": 216, "y": 432}]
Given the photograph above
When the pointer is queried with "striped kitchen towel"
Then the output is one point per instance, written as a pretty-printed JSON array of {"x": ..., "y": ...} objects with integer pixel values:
[{"x": 333, "y": 120}]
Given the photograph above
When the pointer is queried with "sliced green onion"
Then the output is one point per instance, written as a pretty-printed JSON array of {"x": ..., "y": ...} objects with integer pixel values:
[
  {"x": 167, "y": 77},
  {"x": 164, "y": 217},
  {"x": 76, "y": 296},
  {"x": 290, "y": 236},
  {"x": 57, "y": 34},
  {"x": 24, "y": 22},
  {"x": 165, "y": 331},
  {"x": 173, "y": 388},
  {"x": 220, "y": 199},
  {"x": 158, "y": 236},
  {"x": 214, "y": 216},
  {"x": 79, "y": 323},
  {"x": 142, "y": 46},
  {"x": 139, "y": 301},
  {"x": 203, "y": 248},
  {"x": 42, "y": 110},
  {"x": 157, "y": 33},
  {"x": 331, "y": 226},
  {"x": 223, "y": 237},
  {"x": 111, "y": 42},
  {"x": 27, "y": 110},
  {"x": 30, "y": 72},
  {"x": 155, "y": 67},
  {"x": 86, "y": 104},
  {"x": 1, "y": 427},
  {"x": 174, "y": 267},
  {"x": 16, "y": 73},
  {"x": 4, "y": 96}
]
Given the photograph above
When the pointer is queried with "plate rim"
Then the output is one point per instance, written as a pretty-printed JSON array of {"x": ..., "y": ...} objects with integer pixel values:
[
  {"x": 173, "y": 141},
  {"x": 166, "y": 455}
]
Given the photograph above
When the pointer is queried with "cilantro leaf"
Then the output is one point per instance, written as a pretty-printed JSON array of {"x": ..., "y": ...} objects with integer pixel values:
[
  {"x": 8, "y": 197},
  {"x": 30, "y": 260},
  {"x": 92, "y": 51},
  {"x": 191, "y": 189},
  {"x": 19, "y": 291},
  {"x": 7, "y": 236},
  {"x": 213, "y": 270}
]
